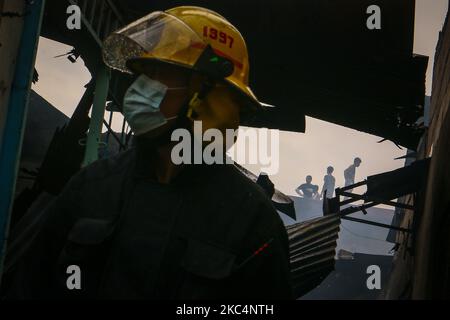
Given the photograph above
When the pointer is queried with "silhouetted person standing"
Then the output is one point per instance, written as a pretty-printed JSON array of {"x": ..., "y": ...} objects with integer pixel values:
[
  {"x": 308, "y": 190},
  {"x": 329, "y": 183},
  {"x": 349, "y": 173}
]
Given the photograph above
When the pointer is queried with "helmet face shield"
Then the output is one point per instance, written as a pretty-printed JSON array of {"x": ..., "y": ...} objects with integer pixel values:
[{"x": 159, "y": 36}]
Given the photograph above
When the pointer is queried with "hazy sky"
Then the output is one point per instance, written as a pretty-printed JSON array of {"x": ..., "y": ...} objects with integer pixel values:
[{"x": 61, "y": 83}]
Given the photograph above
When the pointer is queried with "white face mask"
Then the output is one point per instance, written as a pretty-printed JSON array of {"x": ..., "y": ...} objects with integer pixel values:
[{"x": 141, "y": 105}]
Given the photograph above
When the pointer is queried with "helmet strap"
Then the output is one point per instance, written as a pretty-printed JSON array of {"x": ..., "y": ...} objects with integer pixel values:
[
  {"x": 216, "y": 68},
  {"x": 198, "y": 97}
]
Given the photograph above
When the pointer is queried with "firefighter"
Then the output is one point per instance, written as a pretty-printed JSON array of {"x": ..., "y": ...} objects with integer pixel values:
[
  {"x": 139, "y": 226},
  {"x": 350, "y": 173}
]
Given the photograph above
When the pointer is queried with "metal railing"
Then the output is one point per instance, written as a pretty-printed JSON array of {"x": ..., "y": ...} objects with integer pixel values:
[{"x": 100, "y": 17}]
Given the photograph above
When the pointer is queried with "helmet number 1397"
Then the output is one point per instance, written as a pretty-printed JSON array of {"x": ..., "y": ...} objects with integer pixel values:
[{"x": 220, "y": 36}]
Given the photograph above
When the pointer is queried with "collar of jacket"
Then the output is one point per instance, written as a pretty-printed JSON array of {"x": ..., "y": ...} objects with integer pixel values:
[{"x": 145, "y": 155}]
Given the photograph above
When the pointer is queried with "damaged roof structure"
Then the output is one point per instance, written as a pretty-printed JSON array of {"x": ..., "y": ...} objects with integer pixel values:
[{"x": 306, "y": 60}]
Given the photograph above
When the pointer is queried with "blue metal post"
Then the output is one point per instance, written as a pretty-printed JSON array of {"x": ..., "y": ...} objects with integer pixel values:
[{"x": 16, "y": 115}]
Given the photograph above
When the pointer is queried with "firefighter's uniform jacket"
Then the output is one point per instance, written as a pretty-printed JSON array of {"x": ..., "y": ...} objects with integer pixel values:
[{"x": 212, "y": 233}]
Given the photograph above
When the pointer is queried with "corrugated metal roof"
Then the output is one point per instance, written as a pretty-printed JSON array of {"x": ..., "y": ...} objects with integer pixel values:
[
  {"x": 312, "y": 249},
  {"x": 312, "y": 246}
]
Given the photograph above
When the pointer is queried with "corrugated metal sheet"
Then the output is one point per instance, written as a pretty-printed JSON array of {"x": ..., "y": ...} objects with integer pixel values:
[
  {"x": 312, "y": 249},
  {"x": 312, "y": 245}
]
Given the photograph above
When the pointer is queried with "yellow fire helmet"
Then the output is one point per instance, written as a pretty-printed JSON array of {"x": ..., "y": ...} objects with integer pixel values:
[{"x": 186, "y": 36}]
